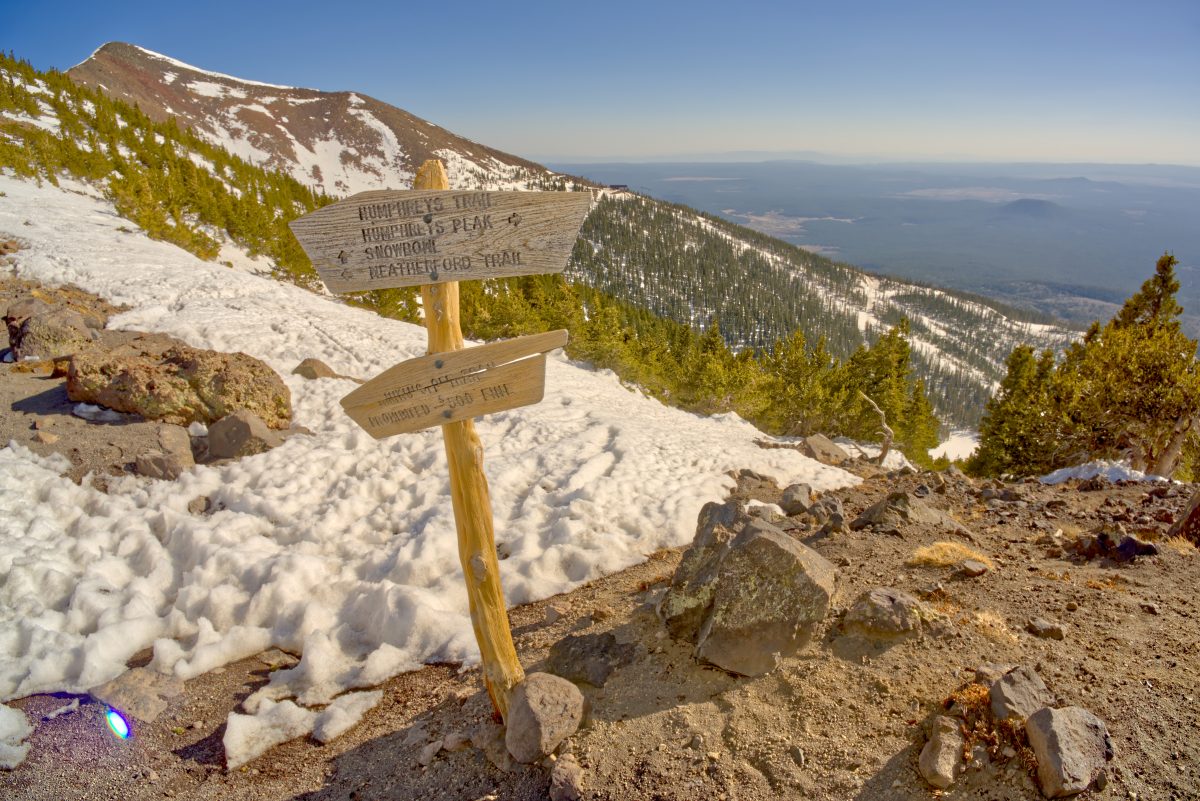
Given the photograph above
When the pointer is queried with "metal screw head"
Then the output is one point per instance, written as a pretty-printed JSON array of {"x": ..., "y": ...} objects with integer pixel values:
[
  {"x": 447, "y": 414},
  {"x": 439, "y": 364},
  {"x": 433, "y": 276}
]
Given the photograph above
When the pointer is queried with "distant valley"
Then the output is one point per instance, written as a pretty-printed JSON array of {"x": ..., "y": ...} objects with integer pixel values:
[{"x": 1069, "y": 240}]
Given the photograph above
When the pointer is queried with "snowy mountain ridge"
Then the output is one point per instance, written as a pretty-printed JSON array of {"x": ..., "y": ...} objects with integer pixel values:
[
  {"x": 762, "y": 288},
  {"x": 339, "y": 142}
]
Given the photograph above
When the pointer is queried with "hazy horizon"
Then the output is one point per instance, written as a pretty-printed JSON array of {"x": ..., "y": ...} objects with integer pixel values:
[{"x": 930, "y": 81}]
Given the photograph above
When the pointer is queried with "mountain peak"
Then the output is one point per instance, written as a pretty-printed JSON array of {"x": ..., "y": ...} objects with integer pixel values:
[{"x": 338, "y": 142}]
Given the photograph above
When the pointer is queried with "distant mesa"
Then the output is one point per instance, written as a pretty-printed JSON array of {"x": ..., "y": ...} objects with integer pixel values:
[{"x": 1031, "y": 208}]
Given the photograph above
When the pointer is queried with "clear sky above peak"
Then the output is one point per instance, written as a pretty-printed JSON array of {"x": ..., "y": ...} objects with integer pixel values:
[{"x": 1050, "y": 81}]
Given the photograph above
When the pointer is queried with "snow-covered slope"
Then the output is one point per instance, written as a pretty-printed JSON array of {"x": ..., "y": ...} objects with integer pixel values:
[
  {"x": 334, "y": 544},
  {"x": 341, "y": 142}
]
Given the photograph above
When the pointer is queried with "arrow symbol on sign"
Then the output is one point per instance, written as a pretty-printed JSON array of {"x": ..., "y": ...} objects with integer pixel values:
[
  {"x": 514, "y": 219},
  {"x": 343, "y": 257}
]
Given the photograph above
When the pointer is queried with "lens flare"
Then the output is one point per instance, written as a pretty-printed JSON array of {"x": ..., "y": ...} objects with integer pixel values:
[{"x": 118, "y": 724}]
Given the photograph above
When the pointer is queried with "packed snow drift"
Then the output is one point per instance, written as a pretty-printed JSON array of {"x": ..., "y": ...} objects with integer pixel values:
[{"x": 333, "y": 545}]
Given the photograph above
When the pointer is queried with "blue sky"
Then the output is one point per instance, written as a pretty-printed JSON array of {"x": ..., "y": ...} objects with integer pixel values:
[{"x": 1055, "y": 80}]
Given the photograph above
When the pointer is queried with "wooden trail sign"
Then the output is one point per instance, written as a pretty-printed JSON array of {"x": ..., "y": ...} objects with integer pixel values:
[
  {"x": 388, "y": 238},
  {"x": 370, "y": 241},
  {"x": 435, "y": 389}
]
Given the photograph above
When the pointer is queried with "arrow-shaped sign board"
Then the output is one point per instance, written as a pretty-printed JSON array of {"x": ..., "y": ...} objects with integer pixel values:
[
  {"x": 443, "y": 387},
  {"x": 394, "y": 238}
]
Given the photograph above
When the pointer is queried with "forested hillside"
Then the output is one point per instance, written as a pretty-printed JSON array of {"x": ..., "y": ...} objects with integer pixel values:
[{"x": 696, "y": 311}]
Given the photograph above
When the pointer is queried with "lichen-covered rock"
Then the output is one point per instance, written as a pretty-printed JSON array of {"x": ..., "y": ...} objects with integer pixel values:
[
  {"x": 20, "y": 311},
  {"x": 688, "y": 600},
  {"x": 47, "y": 334},
  {"x": 543, "y": 710},
  {"x": 771, "y": 592},
  {"x": 178, "y": 385},
  {"x": 1072, "y": 747},
  {"x": 885, "y": 612},
  {"x": 941, "y": 759}
]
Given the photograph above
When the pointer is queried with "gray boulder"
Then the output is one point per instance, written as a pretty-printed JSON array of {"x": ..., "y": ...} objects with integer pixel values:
[
  {"x": 543, "y": 710},
  {"x": 897, "y": 509},
  {"x": 242, "y": 433},
  {"x": 688, "y": 600},
  {"x": 797, "y": 499},
  {"x": 1072, "y": 747},
  {"x": 49, "y": 334},
  {"x": 885, "y": 612},
  {"x": 1019, "y": 693},
  {"x": 824, "y": 450},
  {"x": 941, "y": 759},
  {"x": 771, "y": 592}
]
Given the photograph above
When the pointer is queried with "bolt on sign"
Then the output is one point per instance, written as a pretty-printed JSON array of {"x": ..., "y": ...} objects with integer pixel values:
[{"x": 433, "y": 238}]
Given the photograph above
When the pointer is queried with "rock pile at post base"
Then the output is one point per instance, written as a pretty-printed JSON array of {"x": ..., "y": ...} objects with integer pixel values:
[
  {"x": 1072, "y": 746},
  {"x": 745, "y": 592}
]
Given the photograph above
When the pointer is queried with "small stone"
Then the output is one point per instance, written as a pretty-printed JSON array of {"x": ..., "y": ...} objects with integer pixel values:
[
  {"x": 941, "y": 758},
  {"x": 797, "y": 499},
  {"x": 313, "y": 369},
  {"x": 242, "y": 433},
  {"x": 152, "y": 776},
  {"x": 1047, "y": 630},
  {"x": 713, "y": 756},
  {"x": 566, "y": 779},
  {"x": 554, "y": 614},
  {"x": 158, "y": 465},
  {"x": 990, "y": 672},
  {"x": 200, "y": 505},
  {"x": 1019, "y": 693},
  {"x": 602, "y": 613},
  {"x": 275, "y": 659},
  {"x": 973, "y": 568},
  {"x": 885, "y": 612},
  {"x": 797, "y": 754},
  {"x": 455, "y": 741},
  {"x": 140, "y": 693},
  {"x": 1071, "y": 606},
  {"x": 1072, "y": 747},
  {"x": 429, "y": 753},
  {"x": 45, "y": 437},
  {"x": 1149, "y": 608},
  {"x": 543, "y": 711}
]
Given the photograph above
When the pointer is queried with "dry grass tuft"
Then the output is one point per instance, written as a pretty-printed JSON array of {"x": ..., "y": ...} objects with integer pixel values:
[
  {"x": 1183, "y": 546},
  {"x": 946, "y": 554},
  {"x": 994, "y": 626}
]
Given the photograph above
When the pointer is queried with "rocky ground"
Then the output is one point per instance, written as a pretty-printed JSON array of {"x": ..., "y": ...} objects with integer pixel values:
[{"x": 846, "y": 717}]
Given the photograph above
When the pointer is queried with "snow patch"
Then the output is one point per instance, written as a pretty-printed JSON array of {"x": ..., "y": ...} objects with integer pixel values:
[{"x": 1113, "y": 471}]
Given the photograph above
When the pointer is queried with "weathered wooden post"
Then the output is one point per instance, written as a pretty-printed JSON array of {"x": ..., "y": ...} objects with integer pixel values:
[{"x": 434, "y": 237}]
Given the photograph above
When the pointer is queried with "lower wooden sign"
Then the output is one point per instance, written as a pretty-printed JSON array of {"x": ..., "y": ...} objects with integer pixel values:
[{"x": 443, "y": 387}]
